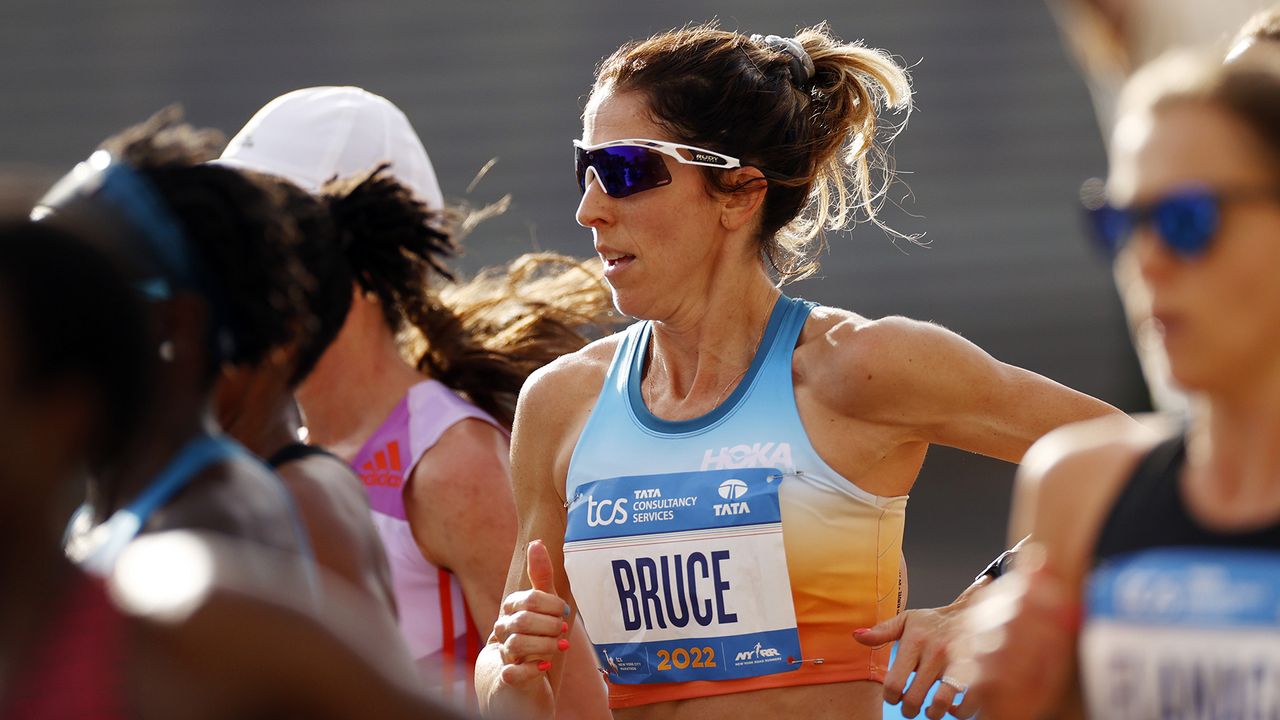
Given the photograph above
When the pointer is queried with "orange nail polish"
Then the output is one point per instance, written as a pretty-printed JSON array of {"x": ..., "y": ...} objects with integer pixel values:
[
  {"x": 563, "y": 644},
  {"x": 544, "y": 665}
]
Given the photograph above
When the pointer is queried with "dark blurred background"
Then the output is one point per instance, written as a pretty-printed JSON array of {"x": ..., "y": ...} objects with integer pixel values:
[{"x": 1001, "y": 138}]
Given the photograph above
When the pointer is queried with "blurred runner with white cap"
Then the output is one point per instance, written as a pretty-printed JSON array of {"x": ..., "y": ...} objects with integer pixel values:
[{"x": 418, "y": 389}]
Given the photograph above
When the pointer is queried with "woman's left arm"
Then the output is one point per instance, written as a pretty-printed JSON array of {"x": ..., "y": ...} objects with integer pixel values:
[
  {"x": 946, "y": 390},
  {"x": 942, "y": 389}
]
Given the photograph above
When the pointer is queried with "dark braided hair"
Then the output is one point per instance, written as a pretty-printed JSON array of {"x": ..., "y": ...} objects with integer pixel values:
[
  {"x": 480, "y": 338},
  {"x": 327, "y": 283},
  {"x": 392, "y": 241},
  {"x": 236, "y": 227}
]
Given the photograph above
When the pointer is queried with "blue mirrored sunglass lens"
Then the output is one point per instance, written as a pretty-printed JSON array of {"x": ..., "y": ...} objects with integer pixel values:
[
  {"x": 623, "y": 170},
  {"x": 1187, "y": 222},
  {"x": 1111, "y": 227}
]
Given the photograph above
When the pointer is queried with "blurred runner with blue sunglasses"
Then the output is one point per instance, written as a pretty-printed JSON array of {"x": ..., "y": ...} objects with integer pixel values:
[{"x": 1157, "y": 587}]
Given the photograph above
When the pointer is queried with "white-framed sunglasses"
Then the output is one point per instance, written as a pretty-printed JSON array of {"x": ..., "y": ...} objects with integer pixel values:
[{"x": 626, "y": 167}]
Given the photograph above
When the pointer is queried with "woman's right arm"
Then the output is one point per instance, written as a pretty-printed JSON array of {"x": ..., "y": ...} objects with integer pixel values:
[{"x": 518, "y": 671}]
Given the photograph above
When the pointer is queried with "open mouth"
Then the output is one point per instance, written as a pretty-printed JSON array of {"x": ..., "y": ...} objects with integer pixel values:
[{"x": 616, "y": 261}]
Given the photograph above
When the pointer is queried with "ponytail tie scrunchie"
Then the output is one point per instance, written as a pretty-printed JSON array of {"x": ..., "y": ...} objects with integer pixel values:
[{"x": 801, "y": 64}]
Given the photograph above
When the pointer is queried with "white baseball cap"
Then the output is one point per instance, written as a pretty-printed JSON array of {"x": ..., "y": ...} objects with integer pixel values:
[{"x": 309, "y": 136}]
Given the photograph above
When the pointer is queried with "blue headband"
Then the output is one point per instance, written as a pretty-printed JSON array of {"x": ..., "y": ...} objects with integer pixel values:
[{"x": 132, "y": 197}]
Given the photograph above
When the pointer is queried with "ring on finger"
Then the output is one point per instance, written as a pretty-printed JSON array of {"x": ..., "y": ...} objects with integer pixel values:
[{"x": 954, "y": 684}]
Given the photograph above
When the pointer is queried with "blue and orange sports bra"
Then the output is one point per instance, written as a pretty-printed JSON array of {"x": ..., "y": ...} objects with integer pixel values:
[{"x": 722, "y": 554}]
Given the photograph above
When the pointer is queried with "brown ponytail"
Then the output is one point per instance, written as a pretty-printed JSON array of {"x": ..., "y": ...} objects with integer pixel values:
[
  {"x": 486, "y": 336},
  {"x": 818, "y": 140},
  {"x": 481, "y": 338}
]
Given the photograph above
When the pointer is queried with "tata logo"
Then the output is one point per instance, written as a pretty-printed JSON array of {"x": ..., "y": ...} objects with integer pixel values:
[
  {"x": 732, "y": 508},
  {"x": 606, "y": 512},
  {"x": 732, "y": 489},
  {"x": 761, "y": 454},
  {"x": 759, "y": 652}
]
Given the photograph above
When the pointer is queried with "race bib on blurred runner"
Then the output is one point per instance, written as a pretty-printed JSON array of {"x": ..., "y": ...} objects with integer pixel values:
[
  {"x": 1184, "y": 633},
  {"x": 683, "y": 576}
]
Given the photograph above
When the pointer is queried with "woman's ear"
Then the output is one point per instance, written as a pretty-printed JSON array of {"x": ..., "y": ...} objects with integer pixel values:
[{"x": 739, "y": 207}]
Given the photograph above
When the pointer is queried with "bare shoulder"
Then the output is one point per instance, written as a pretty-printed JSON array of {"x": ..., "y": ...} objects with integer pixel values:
[
  {"x": 850, "y": 337},
  {"x": 840, "y": 349},
  {"x": 238, "y": 496},
  {"x": 553, "y": 408},
  {"x": 472, "y": 443},
  {"x": 1102, "y": 447},
  {"x": 1068, "y": 480},
  {"x": 556, "y": 399},
  {"x": 571, "y": 379}
]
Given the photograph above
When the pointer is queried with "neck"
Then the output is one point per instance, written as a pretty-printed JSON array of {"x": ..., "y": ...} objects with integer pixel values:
[
  {"x": 1234, "y": 439},
  {"x": 265, "y": 420},
  {"x": 705, "y": 347},
  {"x": 174, "y": 417},
  {"x": 356, "y": 384}
]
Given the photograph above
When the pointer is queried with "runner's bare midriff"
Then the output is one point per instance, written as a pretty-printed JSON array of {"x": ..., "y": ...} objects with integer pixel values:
[{"x": 858, "y": 700}]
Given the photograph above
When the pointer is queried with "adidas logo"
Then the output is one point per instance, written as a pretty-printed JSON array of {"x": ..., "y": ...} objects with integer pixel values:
[{"x": 384, "y": 470}]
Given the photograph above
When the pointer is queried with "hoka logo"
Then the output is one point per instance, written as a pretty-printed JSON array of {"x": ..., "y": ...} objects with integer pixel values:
[
  {"x": 384, "y": 469},
  {"x": 761, "y": 454}
]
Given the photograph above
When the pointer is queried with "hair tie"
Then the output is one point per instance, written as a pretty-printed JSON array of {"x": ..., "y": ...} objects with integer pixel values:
[{"x": 800, "y": 63}]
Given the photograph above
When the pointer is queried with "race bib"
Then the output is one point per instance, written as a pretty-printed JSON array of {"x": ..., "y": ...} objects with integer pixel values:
[
  {"x": 1184, "y": 633},
  {"x": 683, "y": 576}
]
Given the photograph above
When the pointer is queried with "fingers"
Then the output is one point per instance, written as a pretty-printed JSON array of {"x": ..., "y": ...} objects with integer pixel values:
[
  {"x": 886, "y": 632},
  {"x": 530, "y": 630},
  {"x": 933, "y": 660},
  {"x": 521, "y": 649},
  {"x": 531, "y": 641},
  {"x": 943, "y": 700},
  {"x": 967, "y": 708},
  {"x": 895, "y": 681},
  {"x": 535, "y": 601},
  {"x": 541, "y": 573},
  {"x": 523, "y": 673}
]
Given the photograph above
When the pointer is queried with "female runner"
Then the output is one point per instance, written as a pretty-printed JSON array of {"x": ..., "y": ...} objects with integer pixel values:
[
  {"x": 1167, "y": 546},
  {"x": 418, "y": 389},
  {"x": 719, "y": 491}
]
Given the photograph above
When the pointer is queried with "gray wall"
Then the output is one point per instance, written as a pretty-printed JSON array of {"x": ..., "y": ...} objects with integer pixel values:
[{"x": 1002, "y": 136}]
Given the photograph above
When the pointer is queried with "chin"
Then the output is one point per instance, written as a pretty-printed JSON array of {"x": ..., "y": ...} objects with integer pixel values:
[
  {"x": 631, "y": 303},
  {"x": 1195, "y": 372}
]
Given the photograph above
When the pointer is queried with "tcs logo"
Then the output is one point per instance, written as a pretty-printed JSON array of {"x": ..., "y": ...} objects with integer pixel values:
[{"x": 606, "y": 512}]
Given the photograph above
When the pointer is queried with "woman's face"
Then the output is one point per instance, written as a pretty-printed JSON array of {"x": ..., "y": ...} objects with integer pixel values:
[
  {"x": 1218, "y": 313},
  {"x": 661, "y": 247}
]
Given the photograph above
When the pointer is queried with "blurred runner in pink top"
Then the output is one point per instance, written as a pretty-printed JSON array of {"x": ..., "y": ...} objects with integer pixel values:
[{"x": 418, "y": 389}]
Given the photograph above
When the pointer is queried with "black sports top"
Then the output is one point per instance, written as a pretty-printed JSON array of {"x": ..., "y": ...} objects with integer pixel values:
[
  {"x": 1180, "y": 620},
  {"x": 1151, "y": 512}
]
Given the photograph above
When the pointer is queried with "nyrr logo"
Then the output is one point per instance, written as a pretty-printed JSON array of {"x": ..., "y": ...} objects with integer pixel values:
[
  {"x": 759, "y": 652},
  {"x": 761, "y": 454},
  {"x": 596, "y": 512}
]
